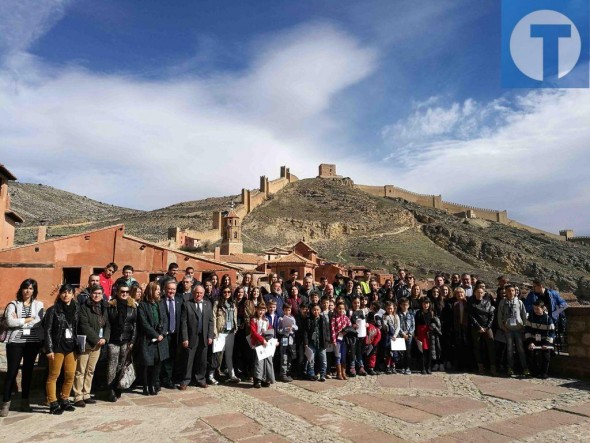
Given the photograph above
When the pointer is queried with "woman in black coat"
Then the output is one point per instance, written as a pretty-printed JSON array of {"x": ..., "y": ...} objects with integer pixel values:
[{"x": 153, "y": 326}]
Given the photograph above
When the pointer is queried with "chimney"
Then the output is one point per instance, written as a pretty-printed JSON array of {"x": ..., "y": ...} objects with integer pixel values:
[
  {"x": 217, "y": 253},
  {"x": 41, "y": 233}
]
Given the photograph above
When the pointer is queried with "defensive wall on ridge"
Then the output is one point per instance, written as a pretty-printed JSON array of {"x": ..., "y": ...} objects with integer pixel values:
[
  {"x": 250, "y": 200},
  {"x": 436, "y": 201}
]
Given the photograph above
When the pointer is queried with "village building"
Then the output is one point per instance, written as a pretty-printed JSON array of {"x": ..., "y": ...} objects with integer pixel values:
[
  {"x": 73, "y": 258},
  {"x": 8, "y": 218}
]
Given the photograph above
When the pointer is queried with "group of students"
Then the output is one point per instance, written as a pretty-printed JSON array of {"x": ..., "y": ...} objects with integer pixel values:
[{"x": 177, "y": 333}]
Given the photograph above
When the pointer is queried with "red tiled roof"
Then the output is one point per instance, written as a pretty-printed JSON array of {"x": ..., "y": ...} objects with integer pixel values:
[{"x": 291, "y": 258}]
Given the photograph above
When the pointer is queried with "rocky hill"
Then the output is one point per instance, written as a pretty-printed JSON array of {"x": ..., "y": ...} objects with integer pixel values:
[
  {"x": 343, "y": 223},
  {"x": 349, "y": 226},
  {"x": 68, "y": 214}
]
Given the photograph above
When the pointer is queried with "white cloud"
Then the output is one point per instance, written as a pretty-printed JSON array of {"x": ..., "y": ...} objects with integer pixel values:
[
  {"x": 22, "y": 22},
  {"x": 146, "y": 144},
  {"x": 528, "y": 156}
]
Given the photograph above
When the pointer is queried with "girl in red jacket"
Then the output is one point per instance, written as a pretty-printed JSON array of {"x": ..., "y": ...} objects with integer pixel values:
[{"x": 259, "y": 332}]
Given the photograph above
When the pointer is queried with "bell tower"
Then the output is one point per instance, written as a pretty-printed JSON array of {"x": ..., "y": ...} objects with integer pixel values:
[{"x": 231, "y": 242}]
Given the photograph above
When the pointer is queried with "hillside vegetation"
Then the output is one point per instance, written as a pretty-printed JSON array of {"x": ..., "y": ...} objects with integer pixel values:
[{"x": 343, "y": 223}]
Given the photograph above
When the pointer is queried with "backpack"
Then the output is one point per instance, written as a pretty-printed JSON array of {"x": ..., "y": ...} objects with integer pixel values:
[{"x": 4, "y": 329}]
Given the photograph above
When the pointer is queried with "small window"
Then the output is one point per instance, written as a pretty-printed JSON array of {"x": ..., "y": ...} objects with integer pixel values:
[
  {"x": 235, "y": 235},
  {"x": 154, "y": 277},
  {"x": 72, "y": 276}
]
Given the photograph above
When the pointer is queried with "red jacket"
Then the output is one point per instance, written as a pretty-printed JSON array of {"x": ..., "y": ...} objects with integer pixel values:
[{"x": 107, "y": 284}]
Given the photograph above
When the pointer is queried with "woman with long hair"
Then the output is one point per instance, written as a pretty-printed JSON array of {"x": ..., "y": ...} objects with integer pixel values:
[
  {"x": 152, "y": 321},
  {"x": 225, "y": 317},
  {"x": 61, "y": 347},
  {"x": 122, "y": 318},
  {"x": 415, "y": 298},
  {"x": 23, "y": 342}
]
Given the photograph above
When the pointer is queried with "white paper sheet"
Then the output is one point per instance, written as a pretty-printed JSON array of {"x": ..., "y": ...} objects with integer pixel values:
[
  {"x": 361, "y": 329},
  {"x": 398, "y": 344},
  {"x": 308, "y": 353},
  {"x": 263, "y": 352},
  {"x": 219, "y": 343}
]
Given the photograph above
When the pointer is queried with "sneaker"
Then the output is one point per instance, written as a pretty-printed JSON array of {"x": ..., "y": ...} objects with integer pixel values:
[
  {"x": 388, "y": 370},
  {"x": 285, "y": 379},
  {"x": 408, "y": 372},
  {"x": 526, "y": 373},
  {"x": 211, "y": 381},
  {"x": 256, "y": 384},
  {"x": 362, "y": 372},
  {"x": 233, "y": 379},
  {"x": 322, "y": 378},
  {"x": 393, "y": 370},
  {"x": 370, "y": 371},
  {"x": 352, "y": 373}
]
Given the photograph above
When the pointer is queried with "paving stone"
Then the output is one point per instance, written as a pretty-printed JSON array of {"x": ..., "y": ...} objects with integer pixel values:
[
  {"x": 226, "y": 420},
  {"x": 241, "y": 432},
  {"x": 197, "y": 426},
  {"x": 429, "y": 382},
  {"x": 477, "y": 435},
  {"x": 394, "y": 381},
  {"x": 116, "y": 426},
  {"x": 441, "y": 406},
  {"x": 267, "y": 438},
  {"x": 410, "y": 415},
  {"x": 583, "y": 409},
  {"x": 315, "y": 386},
  {"x": 198, "y": 402},
  {"x": 15, "y": 419},
  {"x": 533, "y": 424},
  {"x": 374, "y": 436}
]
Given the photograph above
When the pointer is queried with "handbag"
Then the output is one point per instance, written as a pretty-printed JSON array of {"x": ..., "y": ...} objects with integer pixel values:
[
  {"x": 4, "y": 325},
  {"x": 127, "y": 374}
]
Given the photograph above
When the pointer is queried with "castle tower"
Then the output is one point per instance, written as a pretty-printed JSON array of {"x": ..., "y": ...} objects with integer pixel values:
[{"x": 231, "y": 242}]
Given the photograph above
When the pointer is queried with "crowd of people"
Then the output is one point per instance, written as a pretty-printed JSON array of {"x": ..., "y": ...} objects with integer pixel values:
[{"x": 174, "y": 333}]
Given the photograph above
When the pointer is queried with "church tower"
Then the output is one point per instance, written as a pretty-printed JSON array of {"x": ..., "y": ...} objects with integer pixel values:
[{"x": 231, "y": 242}]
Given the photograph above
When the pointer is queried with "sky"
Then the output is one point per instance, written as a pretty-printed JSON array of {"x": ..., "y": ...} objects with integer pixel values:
[{"x": 146, "y": 104}]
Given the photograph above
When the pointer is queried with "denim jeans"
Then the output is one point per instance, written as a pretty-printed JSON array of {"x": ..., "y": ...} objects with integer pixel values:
[
  {"x": 511, "y": 338},
  {"x": 319, "y": 361}
]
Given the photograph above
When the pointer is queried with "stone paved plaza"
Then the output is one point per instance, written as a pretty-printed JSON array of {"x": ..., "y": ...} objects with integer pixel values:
[{"x": 437, "y": 408}]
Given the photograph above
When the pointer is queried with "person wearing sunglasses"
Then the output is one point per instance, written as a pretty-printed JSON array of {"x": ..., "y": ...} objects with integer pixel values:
[{"x": 123, "y": 319}]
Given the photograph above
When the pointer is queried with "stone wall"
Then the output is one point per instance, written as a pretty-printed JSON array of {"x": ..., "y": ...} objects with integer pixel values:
[{"x": 577, "y": 363}]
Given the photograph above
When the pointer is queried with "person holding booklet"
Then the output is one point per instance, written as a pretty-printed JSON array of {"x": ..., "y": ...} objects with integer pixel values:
[
  {"x": 94, "y": 329},
  {"x": 263, "y": 369},
  {"x": 61, "y": 346}
]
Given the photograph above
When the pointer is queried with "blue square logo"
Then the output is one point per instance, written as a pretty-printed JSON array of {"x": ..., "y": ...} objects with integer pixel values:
[{"x": 545, "y": 43}]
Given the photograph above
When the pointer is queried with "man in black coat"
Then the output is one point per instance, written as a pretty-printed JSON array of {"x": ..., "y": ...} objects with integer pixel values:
[
  {"x": 172, "y": 303},
  {"x": 196, "y": 332}
]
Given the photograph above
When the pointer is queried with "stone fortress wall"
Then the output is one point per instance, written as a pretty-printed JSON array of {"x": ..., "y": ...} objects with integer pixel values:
[{"x": 328, "y": 171}]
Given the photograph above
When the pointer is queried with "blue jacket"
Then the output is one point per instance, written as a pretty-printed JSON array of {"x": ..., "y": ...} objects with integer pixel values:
[
  {"x": 556, "y": 304},
  {"x": 407, "y": 323},
  {"x": 276, "y": 298}
]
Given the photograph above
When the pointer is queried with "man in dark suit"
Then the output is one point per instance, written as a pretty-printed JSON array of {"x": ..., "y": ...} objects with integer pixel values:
[
  {"x": 172, "y": 303},
  {"x": 196, "y": 332}
]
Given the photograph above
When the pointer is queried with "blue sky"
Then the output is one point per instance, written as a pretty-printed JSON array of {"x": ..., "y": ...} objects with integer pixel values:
[{"x": 145, "y": 104}]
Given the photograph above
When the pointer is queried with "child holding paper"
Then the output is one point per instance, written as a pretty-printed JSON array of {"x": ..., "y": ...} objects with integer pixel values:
[
  {"x": 259, "y": 331},
  {"x": 358, "y": 321},
  {"x": 391, "y": 330},
  {"x": 286, "y": 335},
  {"x": 406, "y": 327},
  {"x": 340, "y": 322}
]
